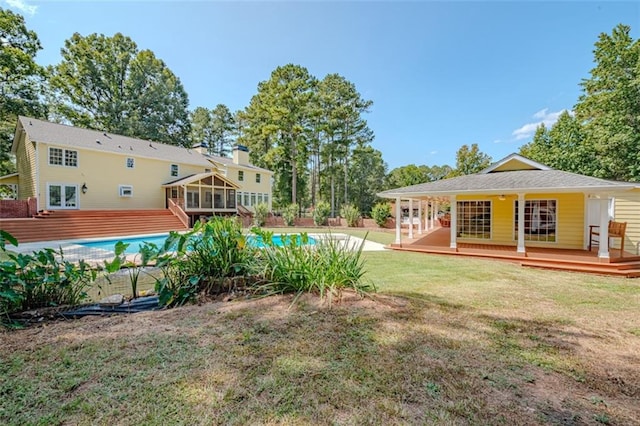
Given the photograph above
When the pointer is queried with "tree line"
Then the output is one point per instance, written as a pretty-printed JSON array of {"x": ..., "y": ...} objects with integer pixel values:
[{"x": 311, "y": 132}]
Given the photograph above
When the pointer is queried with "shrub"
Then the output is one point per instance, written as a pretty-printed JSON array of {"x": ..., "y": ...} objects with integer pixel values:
[
  {"x": 200, "y": 260},
  {"x": 289, "y": 214},
  {"x": 326, "y": 268},
  {"x": 380, "y": 213},
  {"x": 41, "y": 279},
  {"x": 321, "y": 213},
  {"x": 351, "y": 214},
  {"x": 260, "y": 214}
]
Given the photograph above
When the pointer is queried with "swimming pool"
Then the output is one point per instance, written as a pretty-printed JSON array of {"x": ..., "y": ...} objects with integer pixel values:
[{"x": 136, "y": 242}]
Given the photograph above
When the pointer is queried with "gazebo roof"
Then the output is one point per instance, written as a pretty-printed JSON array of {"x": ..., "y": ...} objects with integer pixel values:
[{"x": 530, "y": 177}]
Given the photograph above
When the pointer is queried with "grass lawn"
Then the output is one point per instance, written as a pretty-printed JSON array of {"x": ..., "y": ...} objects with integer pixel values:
[{"x": 446, "y": 340}]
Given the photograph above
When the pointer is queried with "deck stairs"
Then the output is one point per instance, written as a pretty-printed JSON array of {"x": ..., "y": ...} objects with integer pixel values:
[
  {"x": 585, "y": 261},
  {"x": 243, "y": 211},
  {"x": 628, "y": 269},
  {"x": 73, "y": 224}
]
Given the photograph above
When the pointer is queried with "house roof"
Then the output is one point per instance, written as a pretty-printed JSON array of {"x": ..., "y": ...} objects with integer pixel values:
[
  {"x": 229, "y": 162},
  {"x": 79, "y": 138},
  {"x": 195, "y": 177},
  {"x": 498, "y": 180}
]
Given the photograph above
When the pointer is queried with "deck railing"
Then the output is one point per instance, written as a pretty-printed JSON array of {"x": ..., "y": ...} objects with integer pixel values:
[{"x": 174, "y": 207}]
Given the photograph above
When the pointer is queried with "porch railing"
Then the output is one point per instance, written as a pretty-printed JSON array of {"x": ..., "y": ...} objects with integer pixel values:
[{"x": 174, "y": 207}]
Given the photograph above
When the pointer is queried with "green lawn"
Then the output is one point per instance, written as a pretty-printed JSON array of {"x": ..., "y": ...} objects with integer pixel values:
[{"x": 447, "y": 340}]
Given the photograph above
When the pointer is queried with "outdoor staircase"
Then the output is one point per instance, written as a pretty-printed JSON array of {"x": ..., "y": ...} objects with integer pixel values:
[
  {"x": 73, "y": 224},
  {"x": 619, "y": 268}
]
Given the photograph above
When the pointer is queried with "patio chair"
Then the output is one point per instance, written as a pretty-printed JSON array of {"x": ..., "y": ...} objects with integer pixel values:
[{"x": 616, "y": 230}]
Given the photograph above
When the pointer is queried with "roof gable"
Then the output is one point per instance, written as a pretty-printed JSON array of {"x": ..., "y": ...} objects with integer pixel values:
[{"x": 514, "y": 162}]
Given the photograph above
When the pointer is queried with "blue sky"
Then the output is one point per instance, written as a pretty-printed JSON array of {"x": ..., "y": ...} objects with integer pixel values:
[{"x": 440, "y": 74}]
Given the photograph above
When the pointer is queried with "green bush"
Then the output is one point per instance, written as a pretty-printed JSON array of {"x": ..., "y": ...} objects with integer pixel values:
[
  {"x": 351, "y": 214},
  {"x": 260, "y": 214},
  {"x": 289, "y": 214},
  {"x": 201, "y": 260},
  {"x": 326, "y": 268},
  {"x": 321, "y": 213},
  {"x": 41, "y": 279},
  {"x": 380, "y": 213}
]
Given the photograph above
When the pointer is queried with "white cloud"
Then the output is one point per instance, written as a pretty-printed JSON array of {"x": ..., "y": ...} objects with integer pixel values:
[
  {"x": 543, "y": 117},
  {"x": 433, "y": 152},
  {"x": 22, "y": 6}
]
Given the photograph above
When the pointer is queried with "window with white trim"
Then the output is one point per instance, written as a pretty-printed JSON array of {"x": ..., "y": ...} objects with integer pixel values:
[
  {"x": 474, "y": 219},
  {"x": 70, "y": 158},
  {"x": 174, "y": 170},
  {"x": 63, "y": 157},
  {"x": 540, "y": 220},
  {"x": 125, "y": 191},
  {"x": 240, "y": 175},
  {"x": 258, "y": 177},
  {"x": 130, "y": 162}
]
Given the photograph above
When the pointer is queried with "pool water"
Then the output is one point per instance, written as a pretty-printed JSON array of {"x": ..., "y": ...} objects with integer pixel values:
[{"x": 136, "y": 243}]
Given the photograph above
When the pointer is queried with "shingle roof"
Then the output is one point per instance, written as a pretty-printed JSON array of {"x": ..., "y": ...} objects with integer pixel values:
[
  {"x": 530, "y": 181},
  {"x": 76, "y": 137},
  {"x": 229, "y": 161}
]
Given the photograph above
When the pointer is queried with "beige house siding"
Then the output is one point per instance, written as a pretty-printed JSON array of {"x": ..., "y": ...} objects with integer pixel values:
[
  {"x": 570, "y": 220},
  {"x": 514, "y": 165},
  {"x": 103, "y": 173},
  {"x": 26, "y": 167},
  {"x": 249, "y": 185},
  {"x": 627, "y": 209}
]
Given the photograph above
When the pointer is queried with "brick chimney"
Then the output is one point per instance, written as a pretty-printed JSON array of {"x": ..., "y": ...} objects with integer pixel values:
[{"x": 240, "y": 155}]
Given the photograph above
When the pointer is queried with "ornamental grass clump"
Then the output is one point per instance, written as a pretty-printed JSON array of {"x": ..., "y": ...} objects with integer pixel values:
[
  {"x": 202, "y": 260},
  {"x": 325, "y": 268},
  {"x": 321, "y": 213},
  {"x": 289, "y": 214},
  {"x": 260, "y": 214},
  {"x": 351, "y": 214}
]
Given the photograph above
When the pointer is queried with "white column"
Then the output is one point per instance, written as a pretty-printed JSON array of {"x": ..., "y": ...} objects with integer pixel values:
[
  {"x": 411, "y": 218},
  {"x": 427, "y": 214},
  {"x": 398, "y": 219},
  {"x": 434, "y": 214},
  {"x": 603, "y": 245},
  {"x": 521, "y": 202},
  {"x": 420, "y": 217},
  {"x": 454, "y": 222}
]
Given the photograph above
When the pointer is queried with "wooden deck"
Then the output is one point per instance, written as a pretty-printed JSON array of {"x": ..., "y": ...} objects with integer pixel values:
[
  {"x": 438, "y": 242},
  {"x": 73, "y": 224}
]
